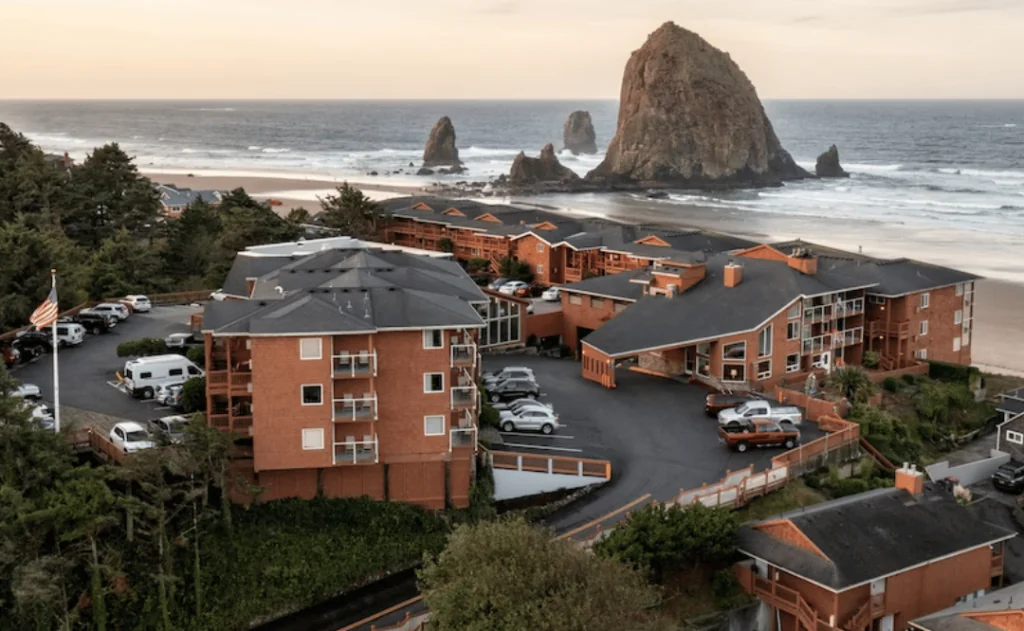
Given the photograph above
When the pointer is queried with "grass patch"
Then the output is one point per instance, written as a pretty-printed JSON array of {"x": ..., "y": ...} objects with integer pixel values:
[
  {"x": 997, "y": 384},
  {"x": 698, "y": 592},
  {"x": 796, "y": 494}
]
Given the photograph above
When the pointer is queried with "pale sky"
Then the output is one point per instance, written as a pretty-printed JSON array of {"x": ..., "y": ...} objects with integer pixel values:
[{"x": 295, "y": 49}]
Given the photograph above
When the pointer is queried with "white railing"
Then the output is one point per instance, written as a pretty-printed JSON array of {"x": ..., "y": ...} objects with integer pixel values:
[
  {"x": 464, "y": 354},
  {"x": 352, "y": 409},
  {"x": 462, "y": 437},
  {"x": 849, "y": 307},
  {"x": 464, "y": 396},
  {"x": 818, "y": 314},
  {"x": 819, "y": 343},
  {"x": 352, "y": 451},
  {"x": 351, "y": 365},
  {"x": 849, "y": 337}
]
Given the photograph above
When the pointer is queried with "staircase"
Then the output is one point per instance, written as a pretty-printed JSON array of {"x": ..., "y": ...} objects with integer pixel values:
[
  {"x": 495, "y": 265},
  {"x": 887, "y": 363}
]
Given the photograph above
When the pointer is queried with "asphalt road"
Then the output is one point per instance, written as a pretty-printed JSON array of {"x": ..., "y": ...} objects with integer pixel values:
[{"x": 87, "y": 369}]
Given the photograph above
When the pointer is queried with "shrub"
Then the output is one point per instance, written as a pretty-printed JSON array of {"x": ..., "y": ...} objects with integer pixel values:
[
  {"x": 909, "y": 379},
  {"x": 852, "y": 383},
  {"x": 445, "y": 244},
  {"x": 475, "y": 264},
  {"x": 193, "y": 395},
  {"x": 872, "y": 359},
  {"x": 489, "y": 417},
  {"x": 891, "y": 384},
  {"x": 197, "y": 355},
  {"x": 142, "y": 348},
  {"x": 956, "y": 373}
]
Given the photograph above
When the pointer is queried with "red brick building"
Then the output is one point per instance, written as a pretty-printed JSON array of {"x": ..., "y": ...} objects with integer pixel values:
[
  {"x": 876, "y": 560},
  {"x": 353, "y": 371}
]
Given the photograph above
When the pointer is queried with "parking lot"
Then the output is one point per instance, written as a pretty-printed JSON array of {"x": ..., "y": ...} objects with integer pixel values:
[
  {"x": 653, "y": 431},
  {"x": 87, "y": 371}
]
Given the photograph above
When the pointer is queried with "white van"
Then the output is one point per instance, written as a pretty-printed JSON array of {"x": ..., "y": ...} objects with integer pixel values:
[
  {"x": 144, "y": 375},
  {"x": 68, "y": 333}
]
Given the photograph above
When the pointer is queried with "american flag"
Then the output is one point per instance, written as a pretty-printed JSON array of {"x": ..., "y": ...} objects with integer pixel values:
[{"x": 46, "y": 313}]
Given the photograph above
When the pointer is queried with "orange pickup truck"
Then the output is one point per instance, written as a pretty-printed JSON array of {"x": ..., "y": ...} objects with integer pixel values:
[{"x": 759, "y": 433}]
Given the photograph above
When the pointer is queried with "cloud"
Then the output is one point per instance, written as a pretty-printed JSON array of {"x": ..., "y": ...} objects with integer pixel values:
[
  {"x": 935, "y": 7},
  {"x": 503, "y": 7}
]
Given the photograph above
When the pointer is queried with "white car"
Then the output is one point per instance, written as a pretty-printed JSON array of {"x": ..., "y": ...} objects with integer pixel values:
[
  {"x": 544, "y": 421},
  {"x": 520, "y": 404},
  {"x": 131, "y": 437},
  {"x": 41, "y": 414},
  {"x": 177, "y": 340},
  {"x": 68, "y": 333},
  {"x": 118, "y": 310},
  {"x": 550, "y": 294},
  {"x": 139, "y": 304},
  {"x": 761, "y": 409},
  {"x": 167, "y": 394},
  {"x": 170, "y": 428},
  {"x": 27, "y": 391},
  {"x": 218, "y": 295},
  {"x": 524, "y": 374},
  {"x": 509, "y": 288}
]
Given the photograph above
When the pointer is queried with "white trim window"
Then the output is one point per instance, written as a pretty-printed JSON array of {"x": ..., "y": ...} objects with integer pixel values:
[
  {"x": 312, "y": 438},
  {"x": 764, "y": 343},
  {"x": 1017, "y": 438},
  {"x": 540, "y": 246},
  {"x": 926, "y": 300},
  {"x": 956, "y": 344},
  {"x": 433, "y": 339},
  {"x": 923, "y": 328},
  {"x": 793, "y": 331},
  {"x": 764, "y": 369},
  {"x": 959, "y": 289},
  {"x": 922, "y": 353},
  {"x": 433, "y": 382},
  {"x": 311, "y": 348},
  {"x": 876, "y": 300},
  {"x": 312, "y": 394},
  {"x": 794, "y": 312},
  {"x": 575, "y": 299},
  {"x": 958, "y": 316},
  {"x": 735, "y": 350},
  {"x": 540, "y": 268},
  {"x": 793, "y": 363},
  {"x": 734, "y": 373},
  {"x": 433, "y": 424}
]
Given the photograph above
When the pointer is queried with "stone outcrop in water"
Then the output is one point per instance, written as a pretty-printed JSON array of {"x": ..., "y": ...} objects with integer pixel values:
[
  {"x": 828, "y": 164},
  {"x": 578, "y": 133},
  {"x": 441, "y": 149},
  {"x": 689, "y": 117},
  {"x": 546, "y": 168}
]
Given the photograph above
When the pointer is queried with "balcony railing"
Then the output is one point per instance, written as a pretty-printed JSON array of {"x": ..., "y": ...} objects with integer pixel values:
[
  {"x": 241, "y": 381},
  {"x": 850, "y": 307},
  {"x": 848, "y": 337},
  {"x": 463, "y": 355},
  {"x": 241, "y": 422},
  {"x": 352, "y": 451},
  {"x": 219, "y": 421},
  {"x": 818, "y": 314},
  {"x": 817, "y": 344},
  {"x": 355, "y": 366},
  {"x": 463, "y": 397},
  {"x": 362, "y": 409},
  {"x": 462, "y": 437},
  {"x": 877, "y": 328},
  {"x": 217, "y": 378}
]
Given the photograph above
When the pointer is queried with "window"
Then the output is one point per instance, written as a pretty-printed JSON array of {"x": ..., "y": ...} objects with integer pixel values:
[
  {"x": 764, "y": 369},
  {"x": 734, "y": 372},
  {"x": 433, "y": 339},
  {"x": 921, "y": 354},
  {"x": 965, "y": 339},
  {"x": 959, "y": 289},
  {"x": 192, "y": 370},
  {"x": 793, "y": 331},
  {"x": 540, "y": 268},
  {"x": 540, "y": 247},
  {"x": 312, "y": 439},
  {"x": 736, "y": 350},
  {"x": 1017, "y": 438},
  {"x": 620, "y": 307},
  {"x": 146, "y": 375},
  {"x": 575, "y": 299},
  {"x": 174, "y": 372},
  {"x": 876, "y": 300},
  {"x": 794, "y": 312},
  {"x": 704, "y": 366},
  {"x": 764, "y": 342},
  {"x": 312, "y": 394},
  {"x": 956, "y": 344},
  {"x": 596, "y": 303},
  {"x": 958, "y": 317},
  {"x": 433, "y": 382},
  {"x": 925, "y": 300},
  {"x": 310, "y": 348},
  {"x": 923, "y": 329},
  {"x": 704, "y": 348},
  {"x": 433, "y": 425},
  {"x": 793, "y": 363}
]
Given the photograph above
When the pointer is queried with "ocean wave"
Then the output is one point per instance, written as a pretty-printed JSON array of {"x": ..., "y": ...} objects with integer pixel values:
[
  {"x": 982, "y": 173},
  {"x": 274, "y": 150},
  {"x": 872, "y": 168},
  {"x": 209, "y": 109},
  {"x": 485, "y": 152},
  {"x": 1003, "y": 126}
]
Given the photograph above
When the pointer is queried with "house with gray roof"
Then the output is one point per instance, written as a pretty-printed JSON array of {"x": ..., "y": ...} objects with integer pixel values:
[{"x": 174, "y": 200}]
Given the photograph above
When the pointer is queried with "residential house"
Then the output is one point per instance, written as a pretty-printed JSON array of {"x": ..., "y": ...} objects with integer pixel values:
[
  {"x": 1001, "y": 610},
  {"x": 1011, "y": 403},
  {"x": 876, "y": 560},
  {"x": 352, "y": 369},
  {"x": 174, "y": 200}
]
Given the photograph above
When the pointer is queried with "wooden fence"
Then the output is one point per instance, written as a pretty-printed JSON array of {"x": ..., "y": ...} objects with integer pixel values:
[{"x": 551, "y": 464}]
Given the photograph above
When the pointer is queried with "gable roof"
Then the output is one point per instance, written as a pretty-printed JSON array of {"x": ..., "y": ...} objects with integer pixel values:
[
  {"x": 872, "y": 535},
  {"x": 620, "y": 286},
  {"x": 1009, "y": 600}
]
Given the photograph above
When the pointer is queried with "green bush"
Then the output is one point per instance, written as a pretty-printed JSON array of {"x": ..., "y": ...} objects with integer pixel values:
[
  {"x": 891, "y": 384},
  {"x": 851, "y": 383},
  {"x": 193, "y": 395},
  {"x": 909, "y": 379},
  {"x": 197, "y": 355},
  {"x": 142, "y": 348},
  {"x": 849, "y": 486},
  {"x": 955, "y": 373},
  {"x": 872, "y": 359},
  {"x": 476, "y": 264},
  {"x": 445, "y": 244},
  {"x": 489, "y": 416}
]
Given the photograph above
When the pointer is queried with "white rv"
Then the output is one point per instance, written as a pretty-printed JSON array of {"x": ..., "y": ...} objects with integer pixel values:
[{"x": 144, "y": 375}]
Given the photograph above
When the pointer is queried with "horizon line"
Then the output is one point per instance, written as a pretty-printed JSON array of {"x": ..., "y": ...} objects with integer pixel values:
[{"x": 467, "y": 99}]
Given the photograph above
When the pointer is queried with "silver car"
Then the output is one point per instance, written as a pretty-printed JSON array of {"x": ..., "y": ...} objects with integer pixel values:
[{"x": 536, "y": 419}]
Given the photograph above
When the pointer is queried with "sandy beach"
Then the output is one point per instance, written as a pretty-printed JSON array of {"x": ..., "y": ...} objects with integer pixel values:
[{"x": 998, "y": 337}]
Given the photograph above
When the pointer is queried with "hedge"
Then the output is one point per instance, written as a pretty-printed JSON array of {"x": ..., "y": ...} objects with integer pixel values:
[
  {"x": 956, "y": 373},
  {"x": 142, "y": 348}
]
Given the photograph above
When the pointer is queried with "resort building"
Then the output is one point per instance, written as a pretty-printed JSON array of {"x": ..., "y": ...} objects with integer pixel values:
[
  {"x": 1001, "y": 610},
  {"x": 876, "y": 560},
  {"x": 351, "y": 367},
  {"x": 174, "y": 200}
]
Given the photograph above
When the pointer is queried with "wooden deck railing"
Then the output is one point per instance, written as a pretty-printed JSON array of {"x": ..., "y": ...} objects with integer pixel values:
[{"x": 551, "y": 464}]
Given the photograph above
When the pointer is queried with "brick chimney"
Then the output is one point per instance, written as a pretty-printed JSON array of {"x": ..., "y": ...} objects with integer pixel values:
[
  {"x": 803, "y": 261},
  {"x": 910, "y": 479},
  {"x": 732, "y": 274}
]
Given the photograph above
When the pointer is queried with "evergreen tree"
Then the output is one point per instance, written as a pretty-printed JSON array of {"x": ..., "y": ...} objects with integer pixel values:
[
  {"x": 352, "y": 213},
  {"x": 124, "y": 265},
  {"x": 191, "y": 245}
]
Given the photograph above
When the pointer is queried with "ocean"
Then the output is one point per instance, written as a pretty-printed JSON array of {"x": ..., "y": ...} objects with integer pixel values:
[{"x": 940, "y": 175}]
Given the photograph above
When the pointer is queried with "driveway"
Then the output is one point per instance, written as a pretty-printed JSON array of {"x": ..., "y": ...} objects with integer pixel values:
[
  {"x": 652, "y": 430},
  {"x": 87, "y": 371}
]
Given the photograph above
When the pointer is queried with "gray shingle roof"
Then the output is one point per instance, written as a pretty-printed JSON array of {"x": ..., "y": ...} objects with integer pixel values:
[
  {"x": 1007, "y": 599},
  {"x": 171, "y": 195},
  {"x": 871, "y": 535},
  {"x": 1012, "y": 406}
]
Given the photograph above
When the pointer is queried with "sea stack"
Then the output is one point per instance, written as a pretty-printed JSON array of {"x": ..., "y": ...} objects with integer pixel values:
[
  {"x": 828, "y": 164},
  {"x": 689, "y": 117},
  {"x": 578, "y": 133},
  {"x": 441, "y": 149},
  {"x": 546, "y": 168}
]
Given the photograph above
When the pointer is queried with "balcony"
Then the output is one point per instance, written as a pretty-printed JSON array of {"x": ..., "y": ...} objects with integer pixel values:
[
  {"x": 847, "y": 308},
  {"x": 817, "y": 344},
  {"x": 351, "y": 409},
  {"x": 357, "y": 366},
  {"x": 241, "y": 382},
  {"x": 352, "y": 451},
  {"x": 220, "y": 421},
  {"x": 899, "y": 330},
  {"x": 461, "y": 438},
  {"x": 573, "y": 274},
  {"x": 464, "y": 397},
  {"x": 464, "y": 355},
  {"x": 817, "y": 314},
  {"x": 217, "y": 381},
  {"x": 849, "y": 337}
]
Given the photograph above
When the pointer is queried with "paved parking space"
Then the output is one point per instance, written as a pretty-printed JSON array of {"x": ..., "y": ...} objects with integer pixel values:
[
  {"x": 653, "y": 431},
  {"x": 87, "y": 379}
]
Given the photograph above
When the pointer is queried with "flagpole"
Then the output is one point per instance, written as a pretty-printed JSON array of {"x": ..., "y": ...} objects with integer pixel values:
[{"x": 56, "y": 376}]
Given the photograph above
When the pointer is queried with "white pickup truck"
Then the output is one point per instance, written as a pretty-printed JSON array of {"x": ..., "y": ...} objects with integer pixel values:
[{"x": 760, "y": 409}]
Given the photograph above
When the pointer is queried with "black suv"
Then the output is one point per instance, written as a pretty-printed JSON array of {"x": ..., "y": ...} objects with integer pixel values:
[
  {"x": 33, "y": 344},
  {"x": 1009, "y": 477},
  {"x": 94, "y": 322},
  {"x": 512, "y": 389}
]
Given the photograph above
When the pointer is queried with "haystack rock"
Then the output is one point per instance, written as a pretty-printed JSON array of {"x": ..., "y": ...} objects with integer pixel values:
[
  {"x": 578, "y": 133},
  {"x": 546, "y": 168},
  {"x": 441, "y": 149},
  {"x": 689, "y": 117},
  {"x": 828, "y": 164}
]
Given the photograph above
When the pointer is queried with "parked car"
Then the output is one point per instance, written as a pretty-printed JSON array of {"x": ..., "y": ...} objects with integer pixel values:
[
  {"x": 41, "y": 414},
  {"x": 178, "y": 340},
  {"x": 96, "y": 321},
  {"x": 537, "y": 419},
  {"x": 114, "y": 308},
  {"x": 512, "y": 389},
  {"x": 142, "y": 376},
  {"x": 741, "y": 436},
  {"x": 218, "y": 295},
  {"x": 32, "y": 344},
  {"x": 1009, "y": 477},
  {"x": 551, "y": 294},
  {"x": 761, "y": 409},
  {"x": 131, "y": 437},
  {"x": 169, "y": 429},
  {"x": 68, "y": 333},
  {"x": 508, "y": 371},
  {"x": 519, "y": 404},
  {"x": 526, "y": 375},
  {"x": 28, "y": 391},
  {"x": 511, "y": 287},
  {"x": 497, "y": 283},
  {"x": 166, "y": 394},
  {"x": 139, "y": 304},
  {"x": 715, "y": 403}
]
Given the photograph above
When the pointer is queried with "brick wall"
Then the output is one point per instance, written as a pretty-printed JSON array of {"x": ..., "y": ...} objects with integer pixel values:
[
  {"x": 539, "y": 255},
  {"x": 936, "y": 586},
  {"x": 418, "y": 483},
  {"x": 544, "y": 324},
  {"x": 582, "y": 310}
]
